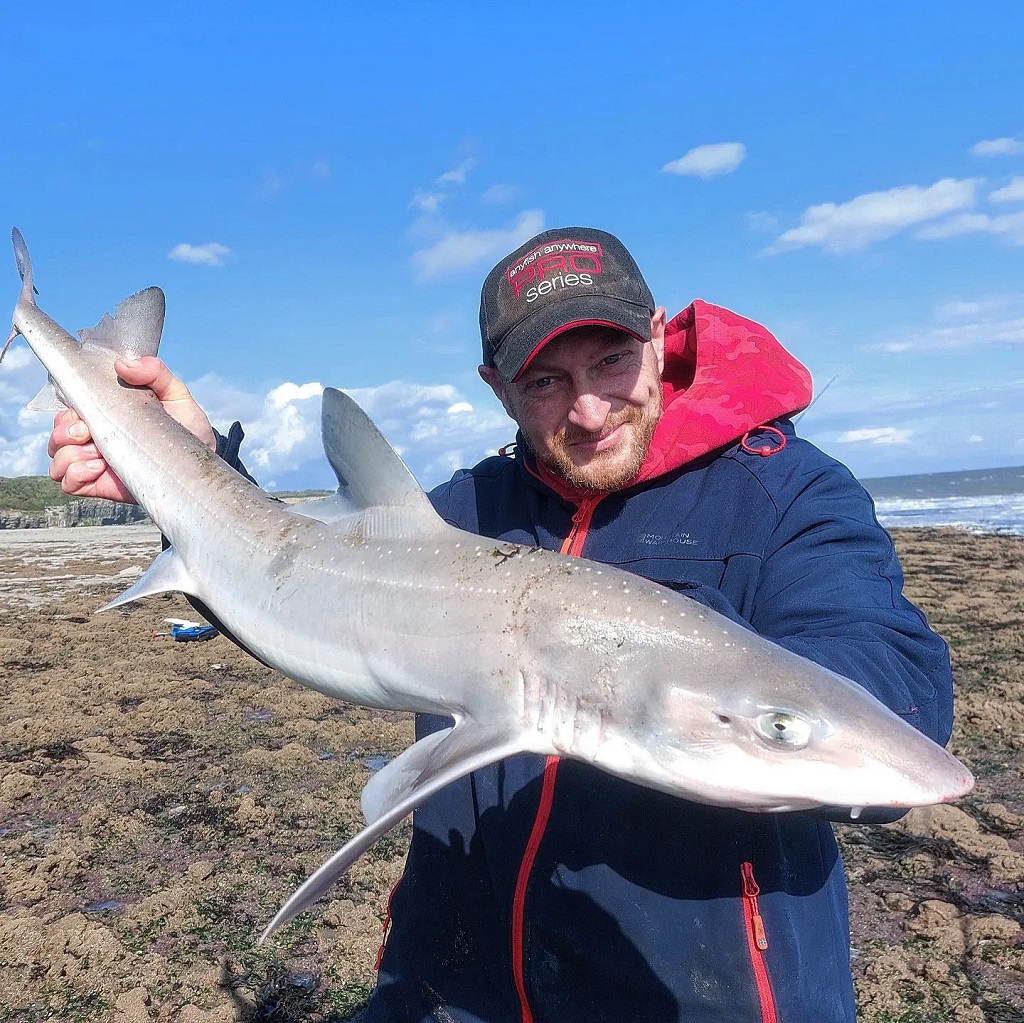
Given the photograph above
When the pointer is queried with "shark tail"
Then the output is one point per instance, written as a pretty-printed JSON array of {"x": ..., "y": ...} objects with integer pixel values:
[{"x": 28, "y": 289}]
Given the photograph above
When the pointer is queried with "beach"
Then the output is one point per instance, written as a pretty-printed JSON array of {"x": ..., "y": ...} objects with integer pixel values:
[{"x": 159, "y": 800}]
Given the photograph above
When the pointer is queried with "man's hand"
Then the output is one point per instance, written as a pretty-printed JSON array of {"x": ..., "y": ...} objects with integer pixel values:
[{"x": 77, "y": 464}]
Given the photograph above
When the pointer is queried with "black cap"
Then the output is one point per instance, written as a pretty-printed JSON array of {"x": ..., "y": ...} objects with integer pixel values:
[{"x": 564, "y": 278}]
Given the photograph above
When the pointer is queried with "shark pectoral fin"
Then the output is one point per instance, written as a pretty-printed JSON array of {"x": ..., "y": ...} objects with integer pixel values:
[
  {"x": 135, "y": 328},
  {"x": 396, "y": 790},
  {"x": 368, "y": 468},
  {"x": 48, "y": 399},
  {"x": 318, "y": 883},
  {"x": 434, "y": 761},
  {"x": 167, "y": 574}
]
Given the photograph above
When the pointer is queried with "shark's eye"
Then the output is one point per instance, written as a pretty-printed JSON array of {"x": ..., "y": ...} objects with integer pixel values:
[{"x": 783, "y": 728}]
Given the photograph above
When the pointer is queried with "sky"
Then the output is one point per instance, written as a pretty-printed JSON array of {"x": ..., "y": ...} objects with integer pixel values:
[{"x": 320, "y": 190}]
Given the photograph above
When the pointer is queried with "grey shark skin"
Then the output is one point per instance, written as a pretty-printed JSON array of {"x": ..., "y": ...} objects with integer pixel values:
[{"x": 385, "y": 605}]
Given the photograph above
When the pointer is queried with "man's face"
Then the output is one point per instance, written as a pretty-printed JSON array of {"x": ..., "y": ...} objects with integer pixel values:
[{"x": 588, "y": 403}]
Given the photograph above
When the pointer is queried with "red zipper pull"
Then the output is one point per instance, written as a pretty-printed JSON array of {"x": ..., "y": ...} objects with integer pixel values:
[{"x": 751, "y": 890}]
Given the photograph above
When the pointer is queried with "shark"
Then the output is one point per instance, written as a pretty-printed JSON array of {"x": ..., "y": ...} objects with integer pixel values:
[{"x": 374, "y": 599}]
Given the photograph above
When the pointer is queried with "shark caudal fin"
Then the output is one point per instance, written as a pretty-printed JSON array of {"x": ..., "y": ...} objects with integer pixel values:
[
  {"x": 396, "y": 790},
  {"x": 24, "y": 261},
  {"x": 28, "y": 291}
]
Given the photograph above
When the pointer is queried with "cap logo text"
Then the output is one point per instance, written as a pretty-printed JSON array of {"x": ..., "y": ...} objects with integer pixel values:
[{"x": 564, "y": 263}]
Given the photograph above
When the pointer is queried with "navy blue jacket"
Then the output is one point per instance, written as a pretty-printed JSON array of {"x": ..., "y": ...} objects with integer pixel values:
[{"x": 548, "y": 891}]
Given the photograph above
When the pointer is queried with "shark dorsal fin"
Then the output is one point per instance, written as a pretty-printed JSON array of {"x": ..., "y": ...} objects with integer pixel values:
[
  {"x": 370, "y": 473},
  {"x": 135, "y": 328}
]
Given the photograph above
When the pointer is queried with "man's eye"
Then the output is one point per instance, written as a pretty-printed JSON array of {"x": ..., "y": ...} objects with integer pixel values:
[
  {"x": 612, "y": 359},
  {"x": 541, "y": 383}
]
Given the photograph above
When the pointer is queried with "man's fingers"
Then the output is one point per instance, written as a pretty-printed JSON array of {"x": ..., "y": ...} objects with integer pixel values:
[
  {"x": 91, "y": 477},
  {"x": 151, "y": 372},
  {"x": 67, "y": 429},
  {"x": 68, "y": 455},
  {"x": 80, "y": 473}
]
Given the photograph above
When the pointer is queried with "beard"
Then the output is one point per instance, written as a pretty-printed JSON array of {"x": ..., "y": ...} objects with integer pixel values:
[{"x": 606, "y": 470}]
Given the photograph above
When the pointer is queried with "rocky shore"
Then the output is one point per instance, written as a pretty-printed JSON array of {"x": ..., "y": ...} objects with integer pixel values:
[{"x": 158, "y": 801}]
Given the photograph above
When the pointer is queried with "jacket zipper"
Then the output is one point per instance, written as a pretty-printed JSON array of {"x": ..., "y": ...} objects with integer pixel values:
[
  {"x": 572, "y": 545},
  {"x": 757, "y": 943},
  {"x": 540, "y": 823},
  {"x": 386, "y": 927}
]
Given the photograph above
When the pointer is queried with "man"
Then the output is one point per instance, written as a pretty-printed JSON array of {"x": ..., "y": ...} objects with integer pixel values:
[{"x": 545, "y": 890}]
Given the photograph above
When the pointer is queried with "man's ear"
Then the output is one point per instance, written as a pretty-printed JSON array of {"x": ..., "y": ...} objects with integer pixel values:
[
  {"x": 494, "y": 381},
  {"x": 658, "y": 322}
]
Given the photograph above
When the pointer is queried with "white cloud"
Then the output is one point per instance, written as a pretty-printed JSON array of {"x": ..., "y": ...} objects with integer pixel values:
[
  {"x": 428, "y": 202},
  {"x": 1012, "y": 192},
  {"x": 876, "y": 435},
  {"x": 935, "y": 414},
  {"x": 287, "y": 431},
  {"x": 764, "y": 222},
  {"x": 23, "y": 434},
  {"x": 1009, "y": 226},
  {"x": 997, "y": 147},
  {"x": 499, "y": 194},
  {"x": 210, "y": 254},
  {"x": 710, "y": 161},
  {"x": 18, "y": 357},
  {"x": 435, "y": 428},
  {"x": 846, "y": 227},
  {"x": 994, "y": 322},
  {"x": 321, "y": 169},
  {"x": 25, "y": 455},
  {"x": 457, "y": 175},
  {"x": 460, "y": 250},
  {"x": 958, "y": 309}
]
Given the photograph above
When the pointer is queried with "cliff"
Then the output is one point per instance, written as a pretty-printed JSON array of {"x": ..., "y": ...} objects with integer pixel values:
[{"x": 87, "y": 511}]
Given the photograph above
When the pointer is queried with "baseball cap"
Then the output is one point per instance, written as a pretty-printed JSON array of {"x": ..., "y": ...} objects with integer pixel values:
[{"x": 564, "y": 278}]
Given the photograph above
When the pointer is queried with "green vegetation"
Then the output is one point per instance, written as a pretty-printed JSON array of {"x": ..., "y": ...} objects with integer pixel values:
[
  {"x": 30, "y": 493},
  {"x": 300, "y": 495}
]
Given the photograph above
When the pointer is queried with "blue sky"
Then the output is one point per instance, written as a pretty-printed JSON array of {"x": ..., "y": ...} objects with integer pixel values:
[{"x": 320, "y": 191}]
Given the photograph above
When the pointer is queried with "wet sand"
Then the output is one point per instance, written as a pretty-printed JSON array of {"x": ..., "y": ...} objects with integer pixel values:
[{"x": 158, "y": 800}]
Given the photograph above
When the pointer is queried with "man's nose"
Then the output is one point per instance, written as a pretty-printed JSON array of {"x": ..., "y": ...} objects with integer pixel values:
[{"x": 589, "y": 411}]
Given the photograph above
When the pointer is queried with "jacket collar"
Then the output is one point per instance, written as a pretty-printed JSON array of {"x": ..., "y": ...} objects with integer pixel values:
[{"x": 724, "y": 376}]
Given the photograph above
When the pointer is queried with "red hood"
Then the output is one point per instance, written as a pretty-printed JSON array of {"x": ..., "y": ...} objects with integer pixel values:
[{"x": 724, "y": 375}]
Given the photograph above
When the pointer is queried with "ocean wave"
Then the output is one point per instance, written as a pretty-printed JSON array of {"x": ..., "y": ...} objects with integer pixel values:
[{"x": 996, "y": 513}]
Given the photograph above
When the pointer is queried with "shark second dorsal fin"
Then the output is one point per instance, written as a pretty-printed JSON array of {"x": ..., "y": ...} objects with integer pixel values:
[
  {"x": 369, "y": 471},
  {"x": 135, "y": 328}
]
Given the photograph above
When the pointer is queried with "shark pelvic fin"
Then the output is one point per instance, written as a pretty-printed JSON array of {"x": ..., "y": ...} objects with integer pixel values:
[
  {"x": 167, "y": 574},
  {"x": 48, "y": 399},
  {"x": 368, "y": 468},
  {"x": 394, "y": 792},
  {"x": 135, "y": 328}
]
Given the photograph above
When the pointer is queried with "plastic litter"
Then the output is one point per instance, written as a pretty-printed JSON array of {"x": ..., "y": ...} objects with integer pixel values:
[{"x": 192, "y": 633}]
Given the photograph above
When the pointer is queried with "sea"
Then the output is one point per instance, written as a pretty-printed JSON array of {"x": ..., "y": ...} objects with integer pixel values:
[{"x": 974, "y": 500}]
